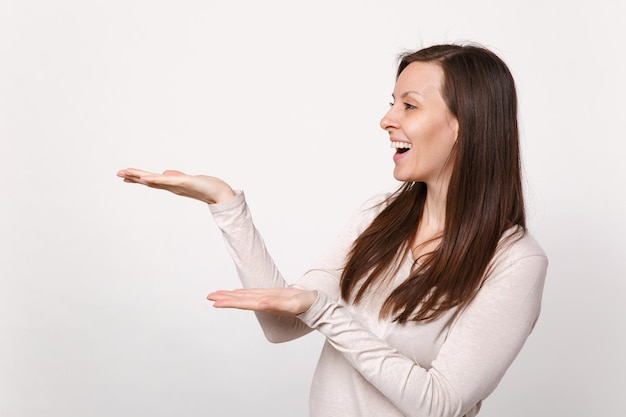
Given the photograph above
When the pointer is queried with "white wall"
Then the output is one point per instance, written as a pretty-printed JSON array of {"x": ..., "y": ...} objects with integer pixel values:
[{"x": 102, "y": 284}]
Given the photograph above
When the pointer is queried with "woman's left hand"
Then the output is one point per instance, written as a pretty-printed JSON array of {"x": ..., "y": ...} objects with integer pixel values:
[{"x": 283, "y": 301}]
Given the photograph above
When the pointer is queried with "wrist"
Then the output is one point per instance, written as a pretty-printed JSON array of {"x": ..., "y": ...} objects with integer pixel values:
[{"x": 222, "y": 196}]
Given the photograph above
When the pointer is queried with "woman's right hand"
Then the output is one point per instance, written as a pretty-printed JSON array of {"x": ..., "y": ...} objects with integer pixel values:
[{"x": 199, "y": 187}]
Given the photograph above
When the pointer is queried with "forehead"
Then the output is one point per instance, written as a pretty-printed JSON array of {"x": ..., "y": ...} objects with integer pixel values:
[{"x": 422, "y": 78}]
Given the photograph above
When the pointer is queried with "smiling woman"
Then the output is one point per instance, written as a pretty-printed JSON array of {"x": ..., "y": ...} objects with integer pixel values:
[
  {"x": 421, "y": 126},
  {"x": 430, "y": 292}
]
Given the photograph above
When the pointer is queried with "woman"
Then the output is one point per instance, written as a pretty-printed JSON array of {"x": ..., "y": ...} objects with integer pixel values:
[{"x": 430, "y": 292}]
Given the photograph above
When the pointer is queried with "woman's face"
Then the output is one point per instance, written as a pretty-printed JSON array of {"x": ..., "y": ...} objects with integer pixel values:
[{"x": 420, "y": 126}]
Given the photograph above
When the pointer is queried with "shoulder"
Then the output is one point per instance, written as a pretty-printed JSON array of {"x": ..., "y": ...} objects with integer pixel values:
[
  {"x": 519, "y": 243},
  {"x": 518, "y": 254}
]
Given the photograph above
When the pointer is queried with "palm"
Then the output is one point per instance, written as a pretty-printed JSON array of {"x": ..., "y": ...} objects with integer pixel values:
[
  {"x": 286, "y": 301},
  {"x": 200, "y": 187}
]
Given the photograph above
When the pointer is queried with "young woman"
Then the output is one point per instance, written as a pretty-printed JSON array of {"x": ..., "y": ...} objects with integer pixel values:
[{"x": 431, "y": 291}]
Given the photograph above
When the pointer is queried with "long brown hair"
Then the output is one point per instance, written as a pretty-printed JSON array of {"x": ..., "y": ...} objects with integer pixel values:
[{"x": 484, "y": 197}]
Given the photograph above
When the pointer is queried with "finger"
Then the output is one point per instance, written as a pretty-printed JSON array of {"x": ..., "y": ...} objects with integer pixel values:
[
  {"x": 248, "y": 299},
  {"x": 229, "y": 295},
  {"x": 133, "y": 173},
  {"x": 268, "y": 305},
  {"x": 162, "y": 180},
  {"x": 276, "y": 302},
  {"x": 252, "y": 292},
  {"x": 240, "y": 303},
  {"x": 217, "y": 295}
]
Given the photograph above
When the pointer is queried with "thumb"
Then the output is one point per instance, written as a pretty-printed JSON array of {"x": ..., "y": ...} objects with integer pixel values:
[{"x": 171, "y": 172}]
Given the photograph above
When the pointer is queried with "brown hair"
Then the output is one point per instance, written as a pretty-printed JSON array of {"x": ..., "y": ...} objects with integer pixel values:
[{"x": 484, "y": 195}]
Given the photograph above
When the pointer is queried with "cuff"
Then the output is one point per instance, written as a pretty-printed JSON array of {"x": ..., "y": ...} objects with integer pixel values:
[
  {"x": 312, "y": 316},
  {"x": 238, "y": 199}
]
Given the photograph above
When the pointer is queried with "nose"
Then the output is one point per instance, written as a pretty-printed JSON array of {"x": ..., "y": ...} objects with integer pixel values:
[{"x": 388, "y": 121}]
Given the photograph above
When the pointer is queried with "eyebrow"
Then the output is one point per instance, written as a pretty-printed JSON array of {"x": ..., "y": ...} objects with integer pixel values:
[{"x": 406, "y": 93}]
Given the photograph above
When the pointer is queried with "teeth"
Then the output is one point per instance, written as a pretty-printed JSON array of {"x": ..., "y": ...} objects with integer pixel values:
[{"x": 400, "y": 145}]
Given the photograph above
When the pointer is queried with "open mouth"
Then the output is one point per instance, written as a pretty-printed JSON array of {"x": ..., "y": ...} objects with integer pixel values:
[{"x": 401, "y": 147}]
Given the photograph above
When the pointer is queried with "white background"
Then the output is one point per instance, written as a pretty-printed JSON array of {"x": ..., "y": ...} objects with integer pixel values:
[{"x": 103, "y": 284}]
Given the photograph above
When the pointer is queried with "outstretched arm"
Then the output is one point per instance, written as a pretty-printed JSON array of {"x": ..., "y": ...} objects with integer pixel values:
[
  {"x": 245, "y": 245},
  {"x": 256, "y": 268},
  {"x": 479, "y": 347}
]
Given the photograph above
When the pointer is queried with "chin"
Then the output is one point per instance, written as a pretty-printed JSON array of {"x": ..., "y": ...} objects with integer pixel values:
[{"x": 399, "y": 176}]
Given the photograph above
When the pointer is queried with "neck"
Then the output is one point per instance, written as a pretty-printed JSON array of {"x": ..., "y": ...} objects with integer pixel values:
[
  {"x": 432, "y": 222},
  {"x": 434, "y": 215}
]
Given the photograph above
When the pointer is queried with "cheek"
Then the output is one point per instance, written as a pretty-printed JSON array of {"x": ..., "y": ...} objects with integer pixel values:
[
  {"x": 447, "y": 131},
  {"x": 438, "y": 137},
  {"x": 437, "y": 146}
]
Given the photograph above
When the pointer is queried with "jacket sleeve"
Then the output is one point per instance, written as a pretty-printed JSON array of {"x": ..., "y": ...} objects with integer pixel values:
[
  {"x": 480, "y": 346},
  {"x": 256, "y": 268}
]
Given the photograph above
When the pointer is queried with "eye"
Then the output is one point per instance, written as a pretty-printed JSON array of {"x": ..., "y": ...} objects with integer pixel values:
[
  {"x": 391, "y": 103},
  {"x": 409, "y": 106}
]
